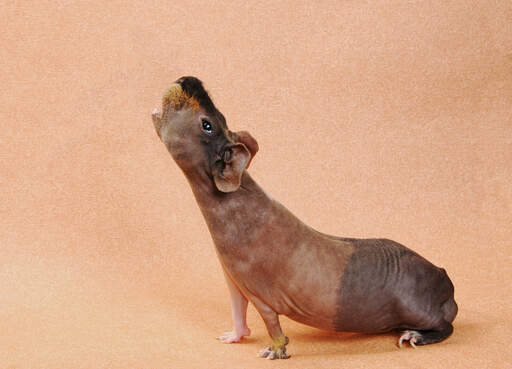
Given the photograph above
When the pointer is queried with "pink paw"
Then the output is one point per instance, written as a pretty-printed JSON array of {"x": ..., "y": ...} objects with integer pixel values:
[
  {"x": 234, "y": 336},
  {"x": 411, "y": 336}
]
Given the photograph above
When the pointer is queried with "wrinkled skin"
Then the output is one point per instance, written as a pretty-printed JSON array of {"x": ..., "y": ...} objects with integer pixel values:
[{"x": 283, "y": 266}]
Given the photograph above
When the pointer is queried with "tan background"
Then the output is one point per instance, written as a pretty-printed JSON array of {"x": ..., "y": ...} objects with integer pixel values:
[{"x": 382, "y": 118}]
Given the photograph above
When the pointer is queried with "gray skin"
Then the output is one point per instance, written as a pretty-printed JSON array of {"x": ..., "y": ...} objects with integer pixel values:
[{"x": 283, "y": 266}]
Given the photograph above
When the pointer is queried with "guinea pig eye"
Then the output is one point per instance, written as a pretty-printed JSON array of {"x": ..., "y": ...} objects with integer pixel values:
[{"x": 207, "y": 126}]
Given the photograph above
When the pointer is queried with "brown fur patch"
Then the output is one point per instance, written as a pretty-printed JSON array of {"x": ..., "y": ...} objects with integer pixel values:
[{"x": 176, "y": 98}]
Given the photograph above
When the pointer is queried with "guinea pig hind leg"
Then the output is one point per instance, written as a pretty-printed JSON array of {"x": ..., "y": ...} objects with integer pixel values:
[{"x": 426, "y": 337}]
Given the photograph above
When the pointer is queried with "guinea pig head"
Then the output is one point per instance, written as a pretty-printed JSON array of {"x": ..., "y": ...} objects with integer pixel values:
[{"x": 196, "y": 135}]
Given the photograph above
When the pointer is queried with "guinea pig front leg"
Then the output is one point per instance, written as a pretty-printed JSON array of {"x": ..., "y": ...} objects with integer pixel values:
[
  {"x": 279, "y": 341},
  {"x": 238, "y": 313}
]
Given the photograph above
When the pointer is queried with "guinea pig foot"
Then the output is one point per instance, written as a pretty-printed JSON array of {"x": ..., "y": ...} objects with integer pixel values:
[
  {"x": 271, "y": 354},
  {"x": 276, "y": 351},
  {"x": 234, "y": 336},
  {"x": 411, "y": 336}
]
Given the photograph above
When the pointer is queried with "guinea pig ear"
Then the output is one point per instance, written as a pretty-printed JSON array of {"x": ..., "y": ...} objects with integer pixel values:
[
  {"x": 245, "y": 138},
  {"x": 227, "y": 173}
]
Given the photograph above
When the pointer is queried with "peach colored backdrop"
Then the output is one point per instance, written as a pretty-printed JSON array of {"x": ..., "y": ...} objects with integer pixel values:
[{"x": 375, "y": 119}]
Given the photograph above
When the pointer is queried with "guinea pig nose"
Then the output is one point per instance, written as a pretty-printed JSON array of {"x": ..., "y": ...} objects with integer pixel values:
[{"x": 156, "y": 115}]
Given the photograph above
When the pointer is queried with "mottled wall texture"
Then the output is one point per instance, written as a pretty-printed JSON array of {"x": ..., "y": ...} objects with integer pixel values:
[{"x": 374, "y": 119}]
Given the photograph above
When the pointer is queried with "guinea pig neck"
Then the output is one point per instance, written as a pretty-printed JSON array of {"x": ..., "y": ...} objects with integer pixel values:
[{"x": 238, "y": 220}]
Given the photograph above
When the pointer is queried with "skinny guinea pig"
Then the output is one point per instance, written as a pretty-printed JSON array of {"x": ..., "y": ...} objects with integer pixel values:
[{"x": 283, "y": 266}]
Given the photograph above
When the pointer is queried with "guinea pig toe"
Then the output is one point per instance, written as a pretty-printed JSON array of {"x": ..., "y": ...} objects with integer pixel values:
[
  {"x": 272, "y": 354},
  {"x": 265, "y": 352},
  {"x": 411, "y": 336},
  {"x": 230, "y": 337}
]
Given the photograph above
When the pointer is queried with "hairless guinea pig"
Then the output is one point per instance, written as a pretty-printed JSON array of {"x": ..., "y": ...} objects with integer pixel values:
[{"x": 280, "y": 264}]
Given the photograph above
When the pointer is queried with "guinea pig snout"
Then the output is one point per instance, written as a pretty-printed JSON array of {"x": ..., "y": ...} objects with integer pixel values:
[{"x": 156, "y": 115}]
